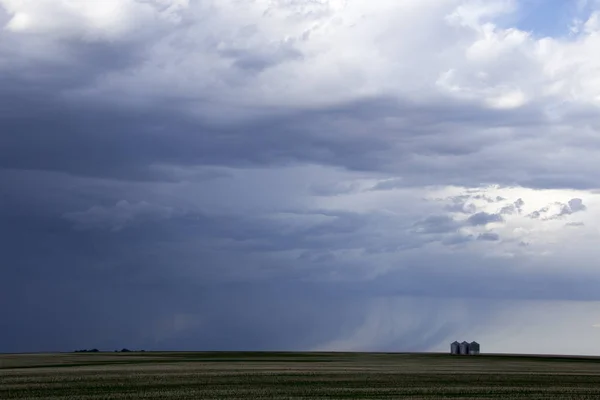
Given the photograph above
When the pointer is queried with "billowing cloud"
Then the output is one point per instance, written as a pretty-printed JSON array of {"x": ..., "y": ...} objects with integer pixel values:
[
  {"x": 558, "y": 209},
  {"x": 295, "y": 174}
]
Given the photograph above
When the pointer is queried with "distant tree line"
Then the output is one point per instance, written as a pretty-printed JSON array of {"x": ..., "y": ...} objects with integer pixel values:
[{"x": 124, "y": 350}]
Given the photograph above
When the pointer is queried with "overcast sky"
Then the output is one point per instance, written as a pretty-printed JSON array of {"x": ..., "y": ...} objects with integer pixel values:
[{"x": 385, "y": 175}]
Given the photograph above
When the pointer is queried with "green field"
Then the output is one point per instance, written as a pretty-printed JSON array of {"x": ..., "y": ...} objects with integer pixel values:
[{"x": 154, "y": 375}]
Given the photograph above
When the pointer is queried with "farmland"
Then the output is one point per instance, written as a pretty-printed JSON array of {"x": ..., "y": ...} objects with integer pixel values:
[{"x": 192, "y": 375}]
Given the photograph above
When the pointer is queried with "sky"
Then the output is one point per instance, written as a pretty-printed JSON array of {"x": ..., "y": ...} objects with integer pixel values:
[{"x": 366, "y": 175}]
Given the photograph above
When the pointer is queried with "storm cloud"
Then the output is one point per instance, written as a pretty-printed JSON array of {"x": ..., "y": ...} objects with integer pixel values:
[{"x": 185, "y": 174}]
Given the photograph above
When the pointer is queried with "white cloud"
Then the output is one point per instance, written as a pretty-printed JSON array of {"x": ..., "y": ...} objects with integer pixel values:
[
  {"x": 308, "y": 53},
  {"x": 89, "y": 20},
  {"x": 475, "y": 13}
]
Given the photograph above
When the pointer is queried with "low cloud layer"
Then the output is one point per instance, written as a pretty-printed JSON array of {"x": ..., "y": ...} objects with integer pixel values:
[{"x": 296, "y": 175}]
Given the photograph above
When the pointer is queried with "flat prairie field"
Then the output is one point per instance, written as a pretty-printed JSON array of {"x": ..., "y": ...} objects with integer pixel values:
[{"x": 232, "y": 375}]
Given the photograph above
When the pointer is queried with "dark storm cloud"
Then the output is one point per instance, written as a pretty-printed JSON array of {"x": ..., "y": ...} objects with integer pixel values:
[
  {"x": 545, "y": 180},
  {"x": 457, "y": 239},
  {"x": 35, "y": 75},
  {"x": 446, "y": 224},
  {"x": 437, "y": 224},
  {"x": 389, "y": 184},
  {"x": 109, "y": 289},
  {"x": 256, "y": 62},
  {"x": 238, "y": 234},
  {"x": 437, "y": 141},
  {"x": 483, "y": 218},
  {"x": 144, "y": 203},
  {"x": 489, "y": 236},
  {"x": 96, "y": 138},
  {"x": 117, "y": 217},
  {"x": 335, "y": 189},
  {"x": 154, "y": 286},
  {"x": 174, "y": 249},
  {"x": 447, "y": 228}
]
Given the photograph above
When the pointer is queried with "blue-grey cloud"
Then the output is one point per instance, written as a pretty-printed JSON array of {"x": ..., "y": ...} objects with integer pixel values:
[
  {"x": 489, "y": 236},
  {"x": 437, "y": 224},
  {"x": 574, "y": 224},
  {"x": 483, "y": 218},
  {"x": 558, "y": 210},
  {"x": 186, "y": 176}
]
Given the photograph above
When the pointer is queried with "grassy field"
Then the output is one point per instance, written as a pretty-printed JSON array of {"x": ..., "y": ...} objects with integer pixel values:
[{"x": 154, "y": 375}]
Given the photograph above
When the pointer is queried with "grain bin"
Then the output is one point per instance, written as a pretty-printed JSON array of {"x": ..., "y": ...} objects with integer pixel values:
[
  {"x": 455, "y": 348},
  {"x": 464, "y": 348},
  {"x": 473, "y": 348}
]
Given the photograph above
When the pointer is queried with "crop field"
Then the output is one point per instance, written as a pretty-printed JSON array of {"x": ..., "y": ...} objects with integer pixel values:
[{"x": 187, "y": 375}]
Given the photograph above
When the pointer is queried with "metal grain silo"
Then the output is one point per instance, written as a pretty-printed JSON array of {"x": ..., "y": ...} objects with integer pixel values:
[
  {"x": 455, "y": 348},
  {"x": 464, "y": 348},
  {"x": 473, "y": 348}
]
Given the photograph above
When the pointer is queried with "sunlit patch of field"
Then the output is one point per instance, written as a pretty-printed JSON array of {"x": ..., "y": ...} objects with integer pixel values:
[{"x": 153, "y": 375}]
